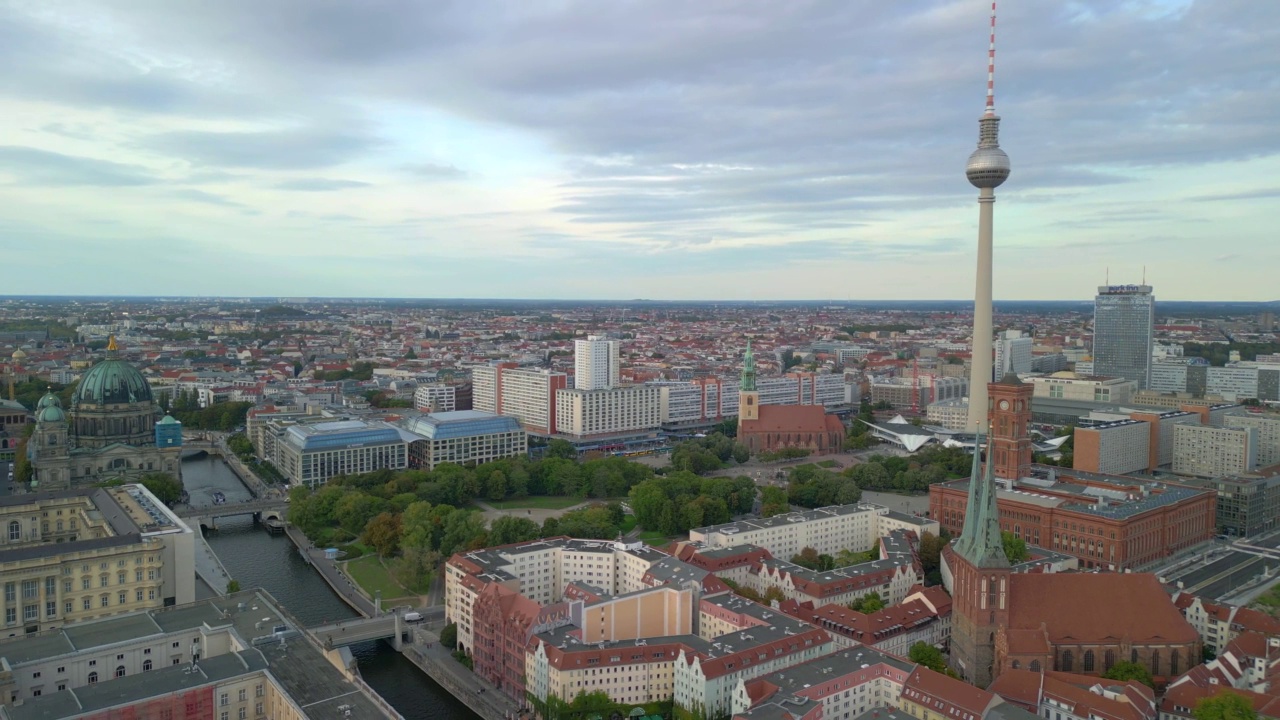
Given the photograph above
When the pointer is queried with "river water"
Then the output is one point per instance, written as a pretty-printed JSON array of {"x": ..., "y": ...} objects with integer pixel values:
[{"x": 258, "y": 559}]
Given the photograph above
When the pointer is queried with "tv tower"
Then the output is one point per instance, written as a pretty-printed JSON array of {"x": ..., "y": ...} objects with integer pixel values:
[{"x": 988, "y": 167}]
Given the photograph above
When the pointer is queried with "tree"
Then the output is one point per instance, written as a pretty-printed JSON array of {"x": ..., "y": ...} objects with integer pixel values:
[
  {"x": 382, "y": 533},
  {"x": 508, "y": 529},
  {"x": 773, "y": 501},
  {"x": 869, "y": 603},
  {"x": 449, "y": 636},
  {"x": 417, "y": 526},
  {"x": 414, "y": 568},
  {"x": 1015, "y": 548},
  {"x": 1125, "y": 670},
  {"x": 559, "y": 448},
  {"x": 927, "y": 655},
  {"x": 164, "y": 486},
  {"x": 233, "y": 586},
  {"x": 1225, "y": 705}
]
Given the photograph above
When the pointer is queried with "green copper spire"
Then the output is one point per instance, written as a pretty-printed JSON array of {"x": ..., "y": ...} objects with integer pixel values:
[
  {"x": 970, "y": 514},
  {"x": 987, "y": 550},
  {"x": 748, "y": 383}
]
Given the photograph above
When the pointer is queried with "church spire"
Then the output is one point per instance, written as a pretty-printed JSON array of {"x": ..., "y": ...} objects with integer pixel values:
[
  {"x": 112, "y": 349},
  {"x": 748, "y": 381},
  {"x": 975, "y": 500},
  {"x": 987, "y": 550}
]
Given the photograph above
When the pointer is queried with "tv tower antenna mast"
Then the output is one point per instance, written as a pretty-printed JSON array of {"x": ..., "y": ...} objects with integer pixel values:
[{"x": 987, "y": 168}]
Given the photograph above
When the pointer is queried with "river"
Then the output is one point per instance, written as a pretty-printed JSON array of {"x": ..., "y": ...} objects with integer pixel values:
[{"x": 258, "y": 559}]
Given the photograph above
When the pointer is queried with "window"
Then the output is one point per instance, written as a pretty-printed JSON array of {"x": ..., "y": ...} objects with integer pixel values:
[
  {"x": 1108, "y": 660},
  {"x": 146, "y": 665},
  {"x": 86, "y": 583},
  {"x": 224, "y": 699},
  {"x": 15, "y": 530},
  {"x": 1067, "y": 659},
  {"x": 50, "y": 608},
  {"x": 138, "y": 595},
  {"x": 30, "y": 612},
  {"x": 1173, "y": 662},
  {"x": 10, "y": 592},
  {"x": 1155, "y": 662},
  {"x": 93, "y": 678},
  {"x": 241, "y": 714},
  {"x": 11, "y": 615},
  {"x": 120, "y": 578},
  {"x": 1088, "y": 661},
  {"x": 106, "y": 601},
  {"x": 121, "y": 597},
  {"x": 243, "y": 693},
  {"x": 257, "y": 691},
  {"x": 119, "y": 671}
]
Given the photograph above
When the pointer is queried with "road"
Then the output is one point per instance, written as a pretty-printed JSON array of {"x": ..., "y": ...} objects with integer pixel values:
[{"x": 482, "y": 697}]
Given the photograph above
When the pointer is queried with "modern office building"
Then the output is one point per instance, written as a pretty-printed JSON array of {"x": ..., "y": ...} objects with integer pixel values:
[
  {"x": 1067, "y": 385},
  {"x": 238, "y": 657},
  {"x": 69, "y": 556},
  {"x": 950, "y": 414},
  {"x": 596, "y": 363},
  {"x": 435, "y": 398},
  {"x": 1012, "y": 354},
  {"x": 464, "y": 437},
  {"x": 1123, "y": 326},
  {"x": 311, "y": 454},
  {"x": 1248, "y": 505},
  {"x": 1206, "y": 451},
  {"x": 903, "y": 393},
  {"x": 1162, "y": 425},
  {"x": 527, "y": 394},
  {"x": 608, "y": 411}
]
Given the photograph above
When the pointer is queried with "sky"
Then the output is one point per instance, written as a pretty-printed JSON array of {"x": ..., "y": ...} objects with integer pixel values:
[{"x": 619, "y": 149}]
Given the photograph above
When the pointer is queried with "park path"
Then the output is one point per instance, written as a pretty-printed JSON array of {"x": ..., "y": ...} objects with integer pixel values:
[{"x": 538, "y": 515}]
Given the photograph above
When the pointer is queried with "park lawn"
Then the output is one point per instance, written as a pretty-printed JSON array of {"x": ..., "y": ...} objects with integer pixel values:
[
  {"x": 804, "y": 465},
  {"x": 547, "y": 502},
  {"x": 628, "y": 524},
  {"x": 828, "y": 463},
  {"x": 372, "y": 577},
  {"x": 654, "y": 538}
]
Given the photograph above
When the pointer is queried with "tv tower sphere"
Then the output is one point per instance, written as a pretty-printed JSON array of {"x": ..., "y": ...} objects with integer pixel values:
[{"x": 988, "y": 166}]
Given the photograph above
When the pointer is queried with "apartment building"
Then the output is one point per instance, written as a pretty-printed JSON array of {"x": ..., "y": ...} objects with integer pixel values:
[
  {"x": 713, "y": 398},
  {"x": 1220, "y": 623},
  {"x": 560, "y": 665},
  {"x": 951, "y": 414},
  {"x": 1012, "y": 354},
  {"x": 1268, "y": 434},
  {"x": 435, "y": 398},
  {"x": 924, "y": 615},
  {"x": 608, "y": 411},
  {"x": 891, "y": 576},
  {"x": 540, "y": 570},
  {"x": 857, "y": 682},
  {"x": 238, "y": 656},
  {"x": 596, "y": 363},
  {"x": 707, "y": 675},
  {"x": 652, "y": 612},
  {"x": 1113, "y": 448},
  {"x": 1162, "y": 425},
  {"x": 827, "y": 530},
  {"x": 76, "y": 555},
  {"x": 1214, "y": 451},
  {"x": 1075, "y": 697},
  {"x": 527, "y": 394}
]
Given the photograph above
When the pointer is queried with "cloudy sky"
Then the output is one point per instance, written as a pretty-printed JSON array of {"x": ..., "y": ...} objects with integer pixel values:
[{"x": 665, "y": 149}]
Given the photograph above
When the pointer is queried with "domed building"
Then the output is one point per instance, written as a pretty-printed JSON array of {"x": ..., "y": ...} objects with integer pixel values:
[{"x": 112, "y": 429}]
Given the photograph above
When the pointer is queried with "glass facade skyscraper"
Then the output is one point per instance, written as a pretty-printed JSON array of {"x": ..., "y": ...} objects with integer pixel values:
[{"x": 1123, "y": 324}]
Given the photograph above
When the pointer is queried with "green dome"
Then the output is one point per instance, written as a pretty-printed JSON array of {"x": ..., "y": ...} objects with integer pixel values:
[
  {"x": 168, "y": 420},
  {"x": 112, "y": 381},
  {"x": 50, "y": 414},
  {"x": 49, "y": 400}
]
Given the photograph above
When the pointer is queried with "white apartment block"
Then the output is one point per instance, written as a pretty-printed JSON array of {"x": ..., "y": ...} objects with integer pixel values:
[
  {"x": 1169, "y": 377},
  {"x": 584, "y": 413},
  {"x": 1214, "y": 451},
  {"x": 527, "y": 394},
  {"x": 1232, "y": 382},
  {"x": 1268, "y": 437},
  {"x": 633, "y": 673},
  {"x": 1012, "y": 354},
  {"x": 596, "y": 363},
  {"x": 828, "y": 530},
  {"x": 951, "y": 414},
  {"x": 435, "y": 398},
  {"x": 540, "y": 570},
  {"x": 1122, "y": 447}
]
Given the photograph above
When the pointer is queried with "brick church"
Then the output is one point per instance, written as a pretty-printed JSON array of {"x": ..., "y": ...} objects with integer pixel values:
[
  {"x": 769, "y": 428},
  {"x": 1070, "y": 622}
]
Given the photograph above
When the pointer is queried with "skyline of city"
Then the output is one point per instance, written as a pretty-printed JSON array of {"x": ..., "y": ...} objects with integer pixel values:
[{"x": 668, "y": 153}]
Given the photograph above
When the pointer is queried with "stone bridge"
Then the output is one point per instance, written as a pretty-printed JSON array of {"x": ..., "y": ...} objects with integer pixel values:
[
  {"x": 262, "y": 509},
  {"x": 390, "y": 627}
]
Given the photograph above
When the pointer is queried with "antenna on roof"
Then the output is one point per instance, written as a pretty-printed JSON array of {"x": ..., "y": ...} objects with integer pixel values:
[{"x": 991, "y": 65}]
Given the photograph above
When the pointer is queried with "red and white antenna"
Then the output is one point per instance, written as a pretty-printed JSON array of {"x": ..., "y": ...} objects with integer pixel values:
[{"x": 991, "y": 65}]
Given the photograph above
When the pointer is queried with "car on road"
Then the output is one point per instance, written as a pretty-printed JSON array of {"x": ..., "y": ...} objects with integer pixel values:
[{"x": 413, "y": 617}]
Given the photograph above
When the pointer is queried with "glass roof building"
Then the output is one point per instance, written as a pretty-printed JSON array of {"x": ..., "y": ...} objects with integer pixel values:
[{"x": 1123, "y": 324}]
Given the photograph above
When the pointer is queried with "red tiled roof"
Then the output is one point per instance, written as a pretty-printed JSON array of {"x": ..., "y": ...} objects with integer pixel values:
[
  {"x": 1136, "y": 607},
  {"x": 793, "y": 419}
]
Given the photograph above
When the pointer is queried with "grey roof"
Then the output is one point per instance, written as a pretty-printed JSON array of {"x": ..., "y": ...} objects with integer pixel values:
[
  {"x": 42, "y": 550},
  {"x": 788, "y": 518},
  {"x": 1114, "y": 503}
]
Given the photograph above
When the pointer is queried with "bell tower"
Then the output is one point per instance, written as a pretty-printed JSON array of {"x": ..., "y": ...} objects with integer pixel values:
[{"x": 1009, "y": 416}]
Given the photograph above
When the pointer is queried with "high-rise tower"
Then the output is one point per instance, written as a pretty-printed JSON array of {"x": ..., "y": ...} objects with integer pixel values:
[
  {"x": 1123, "y": 325},
  {"x": 988, "y": 167},
  {"x": 595, "y": 363}
]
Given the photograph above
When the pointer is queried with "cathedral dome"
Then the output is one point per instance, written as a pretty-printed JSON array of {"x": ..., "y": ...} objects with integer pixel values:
[
  {"x": 50, "y": 414},
  {"x": 19, "y": 354},
  {"x": 49, "y": 400},
  {"x": 112, "y": 381}
]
